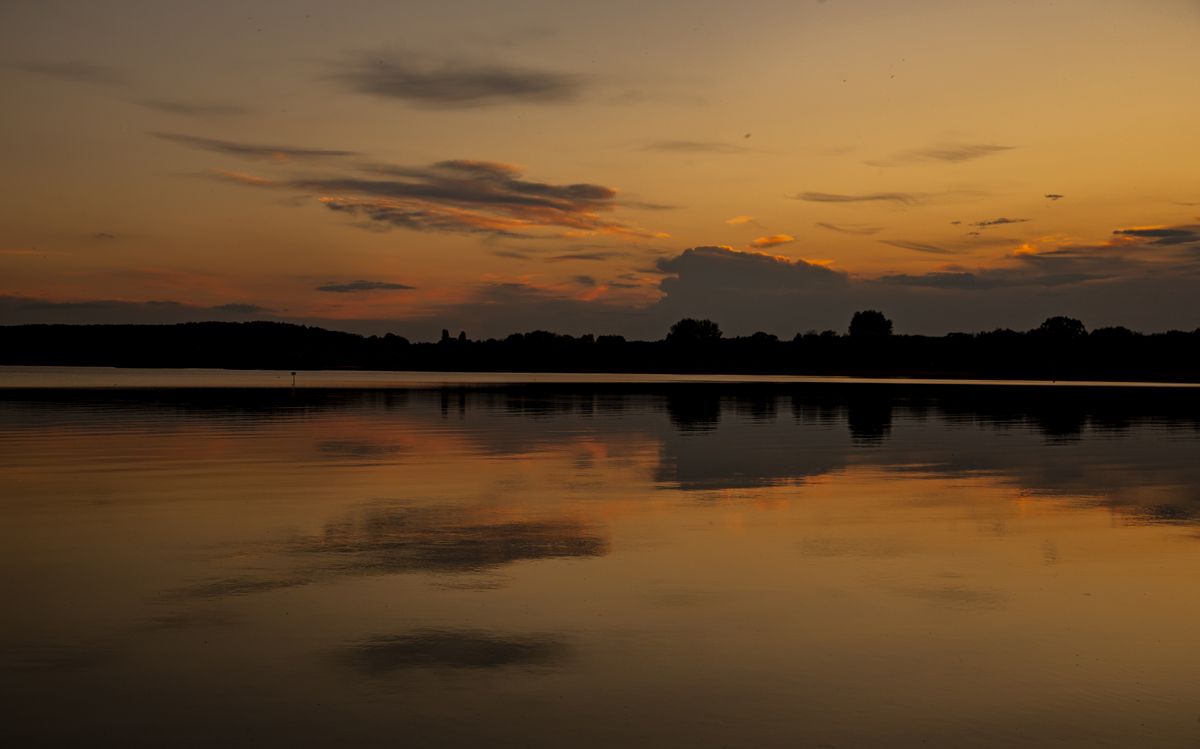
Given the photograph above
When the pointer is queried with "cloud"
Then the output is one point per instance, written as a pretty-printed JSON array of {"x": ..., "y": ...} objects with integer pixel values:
[
  {"x": 949, "y": 154},
  {"x": 692, "y": 146},
  {"x": 242, "y": 177},
  {"x": 201, "y": 110},
  {"x": 852, "y": 228},
  {"x": 709, "y": 268},
  {"x": 739, "y": 220},
  {"x": 274, "y": 153},
  {"x": 455, "y": 84},
  {"x": 770, "y": 241},
  {"x": 1163, "y": 235},
  {"x": 104, "y": 235},
  {"x": 1052, "y": 196},
  {"x": 902, "y": 198},
  {"x": 473, "y": 196},
  {"x": 243, "y": 309},
  {"x": 896, "y": 198},
  {"x": 81, "y": 72},
  {"x": 997, "y": 222},
  {"x": 584, "y": 280},
  {"x": 918, "y": 246},
  {"x": 352, "y": 286},
  {"x": 584, "y": 256}
]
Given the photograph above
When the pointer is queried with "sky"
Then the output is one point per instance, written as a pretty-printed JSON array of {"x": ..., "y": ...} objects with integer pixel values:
[{"x": 500, "y": 167}]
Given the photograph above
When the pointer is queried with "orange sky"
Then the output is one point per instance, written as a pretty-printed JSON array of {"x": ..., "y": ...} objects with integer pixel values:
[{"x": 503, "y": 167}]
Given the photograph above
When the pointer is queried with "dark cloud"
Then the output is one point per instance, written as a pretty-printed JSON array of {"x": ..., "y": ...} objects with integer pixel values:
[
  {"x": 82, "y": 72},
  {"x": 472, "y": 196},
  {"x": 918, "y": 246},
  {"x": 1052, "y": 196},
  {"x": 243, "y": 309},
  {"x": 998, "y": 221},
  {"x": 585, "y": 280},
  {"x": 344, "y": 288},
  {"x": 896, "y": 198},
  {"x": 943, "y": 280},
  {"x": 852, "y": 228},
  {"x": 452, "y": 648},
  {"x": 584, "y": 256},
  {"x": 199, "y": 110},
  {"x": 511, "y": 254},
  {"x": 902, "y": 198},
  {"x": 692, "y": 146},
  {"x": 1164, "y": 236},
  {"x": 951, "y": 154},
  {"x": 452, "y": 84},
  {"x": 714, "y": 270},
  {"x": 276, "y": 153}
]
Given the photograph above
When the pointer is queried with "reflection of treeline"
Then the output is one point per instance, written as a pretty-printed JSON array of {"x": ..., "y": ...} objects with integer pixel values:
[{"x": 1061, "y": 348}]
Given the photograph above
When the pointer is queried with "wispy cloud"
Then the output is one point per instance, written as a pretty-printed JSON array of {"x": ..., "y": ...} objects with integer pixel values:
[
  {"x": 862, "y": 229},
  {"x": 266, "y": 152},
  {"x": 999, "y": 221},
  {"x": 918, "y": 246},
  {"x": 455, "y": 84},
  {"x": 198, "y": 110},
  {"x": 739, "y": 220},
  {"x": 80, "y": 72},
  {"x": 1052, "y": 196},
  {"x": 1161, "y": 235},
  {"x": 692, "y": 146},
  {"x": 946, "y": 154},
  {"x": 353, "y": 286},
  {"x": 243, "y": 309},
  {"x": 895, "y": 198},
  {"x": 770, "y": 241}
]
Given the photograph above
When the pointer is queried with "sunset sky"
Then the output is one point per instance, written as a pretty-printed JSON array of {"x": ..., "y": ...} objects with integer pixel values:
[{"x": 499, "y": 167}]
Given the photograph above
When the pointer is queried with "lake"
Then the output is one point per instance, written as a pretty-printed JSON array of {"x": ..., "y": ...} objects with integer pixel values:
[{"x": 565, "y": 563}]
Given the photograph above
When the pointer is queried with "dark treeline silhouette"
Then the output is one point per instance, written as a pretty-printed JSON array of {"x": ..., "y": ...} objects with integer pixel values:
[{"x": 1061, "y": 348}]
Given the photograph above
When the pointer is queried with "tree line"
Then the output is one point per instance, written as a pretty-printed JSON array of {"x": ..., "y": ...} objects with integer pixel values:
[{"x": 1061, "y": 348}]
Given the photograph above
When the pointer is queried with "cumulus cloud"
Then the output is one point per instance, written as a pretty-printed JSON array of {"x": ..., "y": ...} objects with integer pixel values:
[
  {"x": 709, "y": 268},
  {"x": 862, "y": 229},
  {"x": 692, "y": 146},
  {"x": 73, "y": 70},
  {"x": 762, "y": 242},
  {"x": 352, "y": 286},
  {"x": 456, "y": 84},
  {"x": 947, "y": 154},
  {"x": 267, "y": 152}
]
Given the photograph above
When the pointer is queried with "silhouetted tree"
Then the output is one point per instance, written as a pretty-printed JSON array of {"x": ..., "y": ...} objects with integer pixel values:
[
  {"x": 688, "y": 330},
  {"x": 870, "y": 323},
  {"x": 1066, "y": 328}
]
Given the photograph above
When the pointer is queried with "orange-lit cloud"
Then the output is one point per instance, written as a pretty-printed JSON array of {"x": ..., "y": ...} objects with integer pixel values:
[
  {"x": 770, "y": 241},
  {"x": 738, "y": 220},
  {"x": 242, "y": 177}
]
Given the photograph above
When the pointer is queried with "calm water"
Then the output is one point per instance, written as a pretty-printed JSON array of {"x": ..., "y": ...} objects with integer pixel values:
[{"x": 515, "y": 568}]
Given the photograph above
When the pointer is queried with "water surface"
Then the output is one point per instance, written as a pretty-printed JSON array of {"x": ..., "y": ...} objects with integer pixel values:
[{"x": 574, "y": 567}]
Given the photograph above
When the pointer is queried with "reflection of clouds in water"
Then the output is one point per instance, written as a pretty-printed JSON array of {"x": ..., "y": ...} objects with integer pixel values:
[
  {"x": 391, "y": 540},
  {"x": 961, "y": 597},
  {"x": 358, "y": 448},
  {"x": 53, "y": 658},
  {"x": 849, "y": 547},
  {"x": 453, "y": 649}
]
